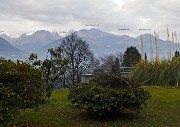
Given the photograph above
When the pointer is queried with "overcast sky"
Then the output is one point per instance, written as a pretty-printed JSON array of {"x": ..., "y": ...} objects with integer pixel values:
[{"x": 24, "y": 16}]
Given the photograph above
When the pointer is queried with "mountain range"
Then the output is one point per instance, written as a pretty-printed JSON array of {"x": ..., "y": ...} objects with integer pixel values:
[
  {"x": 9, "y": 51},
  {"x": 101, "y": 43}
]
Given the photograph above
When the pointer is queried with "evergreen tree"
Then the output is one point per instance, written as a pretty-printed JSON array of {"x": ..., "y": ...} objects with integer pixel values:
[
  {"x": 176, "y": 54},
  {"x": 131, "y": 57},
  {"x": 145, "y": 57}
]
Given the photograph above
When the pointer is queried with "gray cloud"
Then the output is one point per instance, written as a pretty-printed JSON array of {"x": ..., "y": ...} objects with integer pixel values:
[{"x": 19, "y": 16}]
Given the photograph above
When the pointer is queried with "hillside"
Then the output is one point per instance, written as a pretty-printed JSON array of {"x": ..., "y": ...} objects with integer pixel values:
[
  {"x": 5, "y": 46},
  {"x": 7, "y": 50}
]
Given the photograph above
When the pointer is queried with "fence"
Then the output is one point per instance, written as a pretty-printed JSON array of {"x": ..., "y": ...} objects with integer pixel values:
[{"x": 124, "y": 71}]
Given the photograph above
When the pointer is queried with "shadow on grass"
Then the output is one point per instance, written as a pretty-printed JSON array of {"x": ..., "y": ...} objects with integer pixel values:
[
  {"x": 85, "y": 116},
  {"x": 71, "y": 116}
]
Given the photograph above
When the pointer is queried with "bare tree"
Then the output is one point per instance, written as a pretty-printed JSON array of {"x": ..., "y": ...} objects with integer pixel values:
[
  {"x": 77, "y": 51},
  {"x": 109, "y": 63}
]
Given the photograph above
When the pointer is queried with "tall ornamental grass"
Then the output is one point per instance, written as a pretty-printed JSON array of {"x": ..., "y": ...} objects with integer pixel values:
[{"x": 162, "y": 73}]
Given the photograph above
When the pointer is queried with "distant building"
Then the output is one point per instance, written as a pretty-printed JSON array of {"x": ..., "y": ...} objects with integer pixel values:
[{"x": 86, "y": 77}]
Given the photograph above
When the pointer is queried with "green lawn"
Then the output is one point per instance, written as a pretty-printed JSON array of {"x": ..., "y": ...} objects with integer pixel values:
[{"x": 163, "y": 110}]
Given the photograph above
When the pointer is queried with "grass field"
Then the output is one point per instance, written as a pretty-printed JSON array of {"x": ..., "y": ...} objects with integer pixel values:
[{"x": 163, "y": 110}]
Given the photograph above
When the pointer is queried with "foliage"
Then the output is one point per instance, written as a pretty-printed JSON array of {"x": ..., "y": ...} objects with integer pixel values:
[
  {"x": 79, "y": 55},
  {"x": 177, "y": 54},
  {"x": 21, "y": 87},
  {"x": 162, "y": 110},
  {"x": 164, "y": 72},
  {"x": 116, "y": 66},
  {"x": 106, "y": 96},
  {"x": 131, "y": 57},
  {"x": 52, "y": 67},
  {"x": 109, "y": 64}
]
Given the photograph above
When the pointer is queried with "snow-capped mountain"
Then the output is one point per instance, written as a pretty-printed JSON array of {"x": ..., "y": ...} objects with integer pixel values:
[
  {"x": 6, "y": 37},
  {"x": 32, "y": 43},
  {"x": 101, "y": 43},
  {"x": 42, "y": 37},
  {"x": 104, "y": 43},
  {"x": 102, "y": 37}
]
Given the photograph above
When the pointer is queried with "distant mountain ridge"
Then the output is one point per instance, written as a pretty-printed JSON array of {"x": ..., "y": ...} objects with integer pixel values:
[
  {"x": 6, "y": 37},
  {"x": 7, "y": 50},
  {"x": 31, "y": 43},
  {"x": 5, "y": 46},
  {"x": 101, "y": 43}
]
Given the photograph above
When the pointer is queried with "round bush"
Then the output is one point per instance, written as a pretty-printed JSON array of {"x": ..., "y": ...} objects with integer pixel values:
[
  {"x": 21, "y": 87},
  {"x": 109, "y": 95}
]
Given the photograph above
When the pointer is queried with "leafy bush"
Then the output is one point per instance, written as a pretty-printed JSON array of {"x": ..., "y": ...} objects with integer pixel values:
[
  {"x": 21, "y": 87},
  {"x": 106, "y": 96}
]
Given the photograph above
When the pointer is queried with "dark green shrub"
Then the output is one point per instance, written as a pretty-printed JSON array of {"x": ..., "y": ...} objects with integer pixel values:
[
  {"x": 106, "y": 96},
  {"x": 21, "y": 87}
]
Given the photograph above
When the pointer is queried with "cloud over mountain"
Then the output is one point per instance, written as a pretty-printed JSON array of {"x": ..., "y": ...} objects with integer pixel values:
[{"x": 19, "y": 16}]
